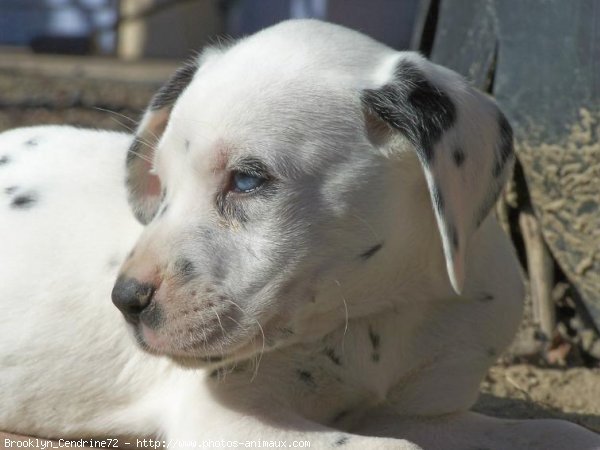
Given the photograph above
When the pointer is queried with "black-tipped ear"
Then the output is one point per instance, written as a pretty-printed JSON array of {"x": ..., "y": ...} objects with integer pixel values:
[
  {"x": 145, "y": 191},
  {"x": 462, "y": 139}
]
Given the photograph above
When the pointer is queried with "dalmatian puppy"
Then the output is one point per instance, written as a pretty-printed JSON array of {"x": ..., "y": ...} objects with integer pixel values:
[{"x": 301, "y": 239}]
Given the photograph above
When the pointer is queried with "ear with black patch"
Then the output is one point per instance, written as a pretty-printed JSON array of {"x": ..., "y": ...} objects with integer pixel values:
[
  {"x": 463, "y": 141},
  {"x": 144, "y": 188}
]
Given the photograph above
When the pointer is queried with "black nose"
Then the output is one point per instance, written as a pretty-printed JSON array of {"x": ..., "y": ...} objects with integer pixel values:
[{"x": 131, "y": 297}]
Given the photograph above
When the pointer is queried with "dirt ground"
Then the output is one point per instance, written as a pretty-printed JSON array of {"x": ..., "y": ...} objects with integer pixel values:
[
  {"x": 73, "y": 95},
  {"x": 524, "y": 391}
]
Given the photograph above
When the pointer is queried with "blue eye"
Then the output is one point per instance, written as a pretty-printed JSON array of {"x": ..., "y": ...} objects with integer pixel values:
[{"x": 245, "y": 182}]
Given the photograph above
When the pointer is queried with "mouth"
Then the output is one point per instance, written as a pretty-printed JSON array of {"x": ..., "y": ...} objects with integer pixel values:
[{"x": 150, "y": 343}]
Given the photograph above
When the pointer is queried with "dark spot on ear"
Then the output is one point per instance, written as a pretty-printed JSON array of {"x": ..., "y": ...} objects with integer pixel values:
[
  {"x": 342, "y": 441},
  {"x": 170, "y": 91},
  {"x": 485, "y": 297},
  {"x": 24, "y": 201},
  {"x": 4, "y": 160},
  {"x": 153, "y": 316},
  {"x": 340, "y": 416},
  {"x": 374, "y": 338},
  {"x": 459, "y": 156},
  {"x": 10, "y": 190},
  {"x": 306, "y": 377},
  {"x": 414, "y": 106},
  {"x": 366, "y": 255},
  {"x": 330, "y": 353},
  {"x": 453, "y": 234},
  {"x": 184, "y": 267},
  {"x": 504, "y": 150}
]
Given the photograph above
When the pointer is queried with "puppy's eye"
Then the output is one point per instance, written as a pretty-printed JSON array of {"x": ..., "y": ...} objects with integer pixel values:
[{"x": 245, "y": 182}]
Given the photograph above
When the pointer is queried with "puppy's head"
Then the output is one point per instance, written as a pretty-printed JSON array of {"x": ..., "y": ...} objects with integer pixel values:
[{"x": 287, "y": 184}]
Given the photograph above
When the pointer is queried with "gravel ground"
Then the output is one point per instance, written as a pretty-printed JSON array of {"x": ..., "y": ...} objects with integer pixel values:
[{"x": 33, "y": 96}]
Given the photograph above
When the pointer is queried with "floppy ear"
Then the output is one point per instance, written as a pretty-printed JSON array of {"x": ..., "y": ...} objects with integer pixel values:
[
  {"x": 463, "y": 141},
  {"x": 144, "y": 188}
]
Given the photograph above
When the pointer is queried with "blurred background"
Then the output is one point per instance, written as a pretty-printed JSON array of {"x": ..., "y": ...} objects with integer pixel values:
[{"x": 96, "y": 63}]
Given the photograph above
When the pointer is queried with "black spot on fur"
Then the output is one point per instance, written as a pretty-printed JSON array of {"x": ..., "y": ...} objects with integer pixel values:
[
  {"x": 505, "y": 149},
  {"x": 306, "y": 377},
  {"x": 341, "y": 441},
  {"x": 340, "y": 416},
  {"x": 330, "y": 353},
  {"x": 414, "y": 106},
  {"x": 453, "y": 234},
  {"x": 33, "y": 142},
  {"x": 459, "y": 156},
  {"x": 172, "y": 89},
  {"x": 485, "y": 297},
  {"x": 187, "y": 145},
  {"x": 184, "y": 267},
  {"x": 287, "y": 331},
  {"x": 10, "y": 190},
  {"x": 374, "y": 338},
  {"x": 4, "y": 160},
  {"x": 24, "y": 201},
  {"x": 366, "y": 255}
]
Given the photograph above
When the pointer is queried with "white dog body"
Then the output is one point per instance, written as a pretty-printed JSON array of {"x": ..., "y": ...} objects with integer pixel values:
[{"x": 319, "y": 305}]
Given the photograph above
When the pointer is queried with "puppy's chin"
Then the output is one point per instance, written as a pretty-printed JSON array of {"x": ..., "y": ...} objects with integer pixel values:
[
  {"x": 198, "y": 362},
  {"x": 189, "y": 361}
]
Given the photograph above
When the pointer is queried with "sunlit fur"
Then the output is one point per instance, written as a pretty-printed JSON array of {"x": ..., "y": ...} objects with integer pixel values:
[{"x": 325, "y": 295}]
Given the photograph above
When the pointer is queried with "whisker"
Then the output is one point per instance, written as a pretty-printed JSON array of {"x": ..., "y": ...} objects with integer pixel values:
[
  {"x": 222, "y": 332},
  {"x": 141, "y": 156},
  {"x": 346, "y": 314},
  {"x": 262, "y": 350},
  {"x": 135, "y": 122},
  {"x": 262, "y": 332}
]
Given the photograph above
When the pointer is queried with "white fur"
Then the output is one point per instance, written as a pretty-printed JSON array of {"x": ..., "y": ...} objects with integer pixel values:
[{"x": 384, "y": 340}]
